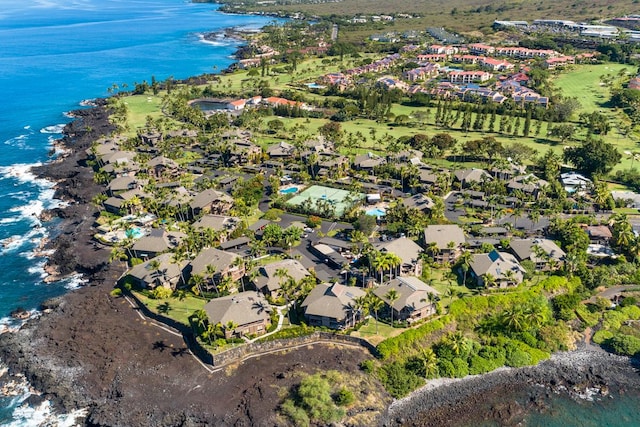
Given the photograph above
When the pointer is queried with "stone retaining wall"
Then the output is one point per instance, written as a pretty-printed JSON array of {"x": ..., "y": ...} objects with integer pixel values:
[
  {"x": 251, "y": 349},
  {"x": 257, "y": 348}
]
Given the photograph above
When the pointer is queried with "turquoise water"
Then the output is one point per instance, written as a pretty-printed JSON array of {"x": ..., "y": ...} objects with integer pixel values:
[
  {"x": 289, "y": 190},
  {"x": 615, "y": 411},
  {"x": 53, "y": 55},
  {"x": 135, "y": 233},
  {"x": 376, "y": 212}
]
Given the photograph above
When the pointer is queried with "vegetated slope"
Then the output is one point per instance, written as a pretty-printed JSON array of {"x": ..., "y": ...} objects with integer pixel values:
[{"x": 456, "y": 14}]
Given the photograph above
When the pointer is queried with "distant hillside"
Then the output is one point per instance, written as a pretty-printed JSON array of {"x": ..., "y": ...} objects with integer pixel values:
[{"x": 461, "y": 15}]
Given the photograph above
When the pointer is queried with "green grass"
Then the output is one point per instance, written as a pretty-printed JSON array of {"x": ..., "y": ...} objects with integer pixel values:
[
  {"x": 177, "y": 310},
  {"x": 384, "y": 331},
  {"x": 583, "y": 82}
]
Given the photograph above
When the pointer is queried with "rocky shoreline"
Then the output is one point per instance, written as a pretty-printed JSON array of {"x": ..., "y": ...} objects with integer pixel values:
[
  {"x": 91, "y": 351},
  {"x": 506, "y": 396}
]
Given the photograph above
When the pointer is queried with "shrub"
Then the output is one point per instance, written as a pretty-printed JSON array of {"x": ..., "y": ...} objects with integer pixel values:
[
  {"x": 495, "y": 354},
  {"x": 588, "y": 318},
  {"x": 480, "y": 365},
  {"x": 297, "y": 415},
  {"x": 628, "y": 301},
  {"x": 314, "y": 221},
  {"x": 446, "y": 368},
  {"x": 601, "y": 336},
  {"x": 116, "y": 292},
  {"x": 345, "y": 397},
  {"x": 161, "y": 292},
  {"x": 613, "y": 319},
  {"x": 517, "y": 358},
  {"x": 273, "y": 214},
  {"x": 461, "y": 367},
  {"x": 398, "y": 381},
  {"x": 314, "y": 395},
  {"x": 408, "y": 339},
  {"x": 626, "y": 345},
  {"x": 555, "y": 337},
  {"x": 631, "y": 312},
  {"x": 367, "y": 366}
]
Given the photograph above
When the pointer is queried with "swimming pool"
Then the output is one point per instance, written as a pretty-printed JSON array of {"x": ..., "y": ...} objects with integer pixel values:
[
  {"x": 134, "y": 233},
  {"x": 376, "y": 212},
  {"x": 289, "y": 190}
]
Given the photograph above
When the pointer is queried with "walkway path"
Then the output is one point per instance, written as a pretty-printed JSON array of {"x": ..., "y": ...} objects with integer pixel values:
[{"x": 280, "y": 323}]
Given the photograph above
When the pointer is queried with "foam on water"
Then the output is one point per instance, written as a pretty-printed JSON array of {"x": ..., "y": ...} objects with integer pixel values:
[
  {"x": 15, "y": 393},
  {"x": 53, "y": 129},
  {"x": 74, "y": 282},
  {"x": 22, "y": 172},
  {"x": 19, "y": 141}
]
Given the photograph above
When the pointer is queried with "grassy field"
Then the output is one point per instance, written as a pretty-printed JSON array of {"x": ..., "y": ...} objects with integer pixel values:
[
  {"x": 384, "y": 331},
  {"x": 176, "y": 309},
  {"x": 583, "y": 82}
]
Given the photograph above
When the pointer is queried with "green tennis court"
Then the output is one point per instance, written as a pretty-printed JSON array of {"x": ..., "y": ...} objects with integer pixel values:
[{"x": 319, "y": 196}]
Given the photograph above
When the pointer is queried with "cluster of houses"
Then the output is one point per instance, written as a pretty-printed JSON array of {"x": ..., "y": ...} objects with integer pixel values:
[{"x": 486, "y": 61}]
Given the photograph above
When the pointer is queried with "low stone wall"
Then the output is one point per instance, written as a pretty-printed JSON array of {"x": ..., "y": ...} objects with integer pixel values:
[
  {"x": 251, "y": 349},
  {"x": 187, "y": 334},
  {"x": 257, "y": 348}
]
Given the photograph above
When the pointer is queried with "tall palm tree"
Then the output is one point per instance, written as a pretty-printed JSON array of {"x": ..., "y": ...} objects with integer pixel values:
[
  {"x": 392, "y": 295},
  {"x": 196, "y": 281},
  {"x": 376, "y": 305},
  {"x": 118, "y": 254},
  {"x": 429, "y": 362},
  {"x": 465, "y": 264}
]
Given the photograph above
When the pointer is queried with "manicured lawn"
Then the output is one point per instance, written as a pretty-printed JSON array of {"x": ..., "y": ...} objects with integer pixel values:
[
  {"x": 583, "y": 82},
  {"x": 368, "y": 331},
  {"x": 176, "y": 309}
]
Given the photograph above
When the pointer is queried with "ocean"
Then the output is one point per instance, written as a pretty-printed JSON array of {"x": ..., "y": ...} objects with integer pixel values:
[{"x": 55, "y": 54}]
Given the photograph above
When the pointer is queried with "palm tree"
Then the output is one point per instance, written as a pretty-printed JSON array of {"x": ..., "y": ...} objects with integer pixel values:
[
  {"x": 392, "y": 296},
  {"x": 196, "y": 281},
  {"x": 225, "y": 285},
  {"x": 239, "y": 263},
  {"x": 393, "y": 262},
  {"x": 375, "y": 304},
  {"x": 210, "y": 273},
  {"x": 465, "y": 264},
  {"x": 154, "y": 265},
  {"x": 199, "y": 320},
  {"x": 230, "y": 327},
  {"x": 118, "y": 254},
  {"x": 358, "y": 306},
  {"x": 456, "y": 342},
  {"x": 510, "y": 277},
  {"x": 489, "y": 280},
  {"x": 514, "y": 319},
  {"x": 429, "y": 362}
]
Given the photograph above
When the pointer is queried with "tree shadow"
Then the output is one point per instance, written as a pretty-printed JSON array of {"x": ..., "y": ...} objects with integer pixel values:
[
  {"x": 164, "y": 308},
  {"x": 160, "y": 345},
  {"x": 179, "y": 351}
]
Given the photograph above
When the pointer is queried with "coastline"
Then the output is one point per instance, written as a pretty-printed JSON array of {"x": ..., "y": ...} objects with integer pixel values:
[
  {"x": 579, "y": 374},
  {"x": 92, "y": 327},
  {"x": 90, "y": 353}
]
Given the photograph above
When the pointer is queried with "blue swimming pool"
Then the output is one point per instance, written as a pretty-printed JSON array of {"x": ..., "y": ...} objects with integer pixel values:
[
  {"x": 134, "y": 233},
  {"x": 289, "y": 190},
  {"x": 376, "y": 212}
]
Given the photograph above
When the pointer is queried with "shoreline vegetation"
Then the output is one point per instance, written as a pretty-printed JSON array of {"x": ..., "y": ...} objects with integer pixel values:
[{"x": 79, "y": 353}]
